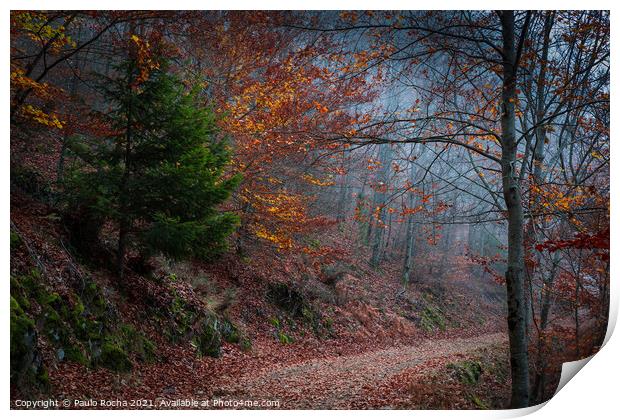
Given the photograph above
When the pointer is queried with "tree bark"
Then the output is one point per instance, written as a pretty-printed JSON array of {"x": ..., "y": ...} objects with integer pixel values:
[
  {"x": 385, "y": 157},
  {"x": 409, "y": 252},
  {"x": 125, "y": 221},
  {"x": 409, "y": 239},
  {"x": 540, "y": 377},
  {"x": 512, "y": 196},
  {"x": 342, "y": 200},
  {"x": 120, "y": 252},
  {"x": 538, "y": 179}
]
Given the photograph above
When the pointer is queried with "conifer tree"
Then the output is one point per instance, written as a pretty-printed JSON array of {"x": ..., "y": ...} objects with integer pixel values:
[{"x": 161, "y": 177}]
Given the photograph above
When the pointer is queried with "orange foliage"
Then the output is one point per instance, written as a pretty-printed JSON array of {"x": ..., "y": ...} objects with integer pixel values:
[{"x": 278, "y": 92}]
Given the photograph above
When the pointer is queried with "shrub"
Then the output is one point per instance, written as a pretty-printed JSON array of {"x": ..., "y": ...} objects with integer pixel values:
[
  {"x": 114, "y": 358},
  {"x": 284, "y": 339},
  {"x": 333, "y": 273},
  {"x": 31, "y": 182},
  {"x": 230, "y": 333},
  {"x": 286, "y": 298}
]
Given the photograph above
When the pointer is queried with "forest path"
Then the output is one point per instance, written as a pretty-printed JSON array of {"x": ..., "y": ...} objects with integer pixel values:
[{"x": 345, "y": 381}]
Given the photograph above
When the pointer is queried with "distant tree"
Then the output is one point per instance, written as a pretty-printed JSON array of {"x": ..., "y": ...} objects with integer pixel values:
[{"x": 160, "y": 174}]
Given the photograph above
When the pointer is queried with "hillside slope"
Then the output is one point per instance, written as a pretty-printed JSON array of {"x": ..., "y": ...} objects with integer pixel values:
[{"x": 189, "y": 328}]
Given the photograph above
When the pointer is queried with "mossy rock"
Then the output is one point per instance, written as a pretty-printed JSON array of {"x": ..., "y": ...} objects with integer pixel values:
[
  {"x": 26, "y": 366},
  {"x": 52, "y": 299},
  {"x": 478, "y": 402},
  {"x": 246, "y": 344},
  {"x": 93, "y": 299},
  {"x": 82, "y": 328},
  {"x": 73, "y": 353},
  {"x": 89, "y": 329},
  {"x": 432, "y": 318},
  {"x": 57, "y": 320},
  {"x": 16, "y": 240},
  {"x": 86, "y": 326},
  {"x": 27, "y": 285},
  {"x": 312, "y": 317},
  {"x": 114, "y": 358},
  {"x": 53, "y": 326},
  {"x": 17, "y": 292},
  {"x": 23, "y": 334},
  {"x": 183, "y": 317},
  {"x": 209, "y": 340},
  {"x": 136, "y": 343},
  {"x": 467, "y": 372},
  {"x": 64, "y": 331}
]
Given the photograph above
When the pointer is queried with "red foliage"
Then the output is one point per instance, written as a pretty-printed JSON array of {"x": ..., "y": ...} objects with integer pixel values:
[{"x": 598, "y": 240}]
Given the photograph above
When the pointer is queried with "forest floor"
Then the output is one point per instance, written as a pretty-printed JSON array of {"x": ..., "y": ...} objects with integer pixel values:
[
  {"x": 364, "y": 343},
  {"x": 352, "y": 381},
  {"x": 450, "y": 373}
]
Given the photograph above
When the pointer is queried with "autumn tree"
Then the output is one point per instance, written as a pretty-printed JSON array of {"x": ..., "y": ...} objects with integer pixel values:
[
  {"x": 44, "y": 42},
  {"x": 279, "y": 92},
  {"x": 471, "y": 71}
]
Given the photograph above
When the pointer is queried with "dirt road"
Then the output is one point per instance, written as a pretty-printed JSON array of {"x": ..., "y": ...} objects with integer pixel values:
[{"x": 344, "y": 381}]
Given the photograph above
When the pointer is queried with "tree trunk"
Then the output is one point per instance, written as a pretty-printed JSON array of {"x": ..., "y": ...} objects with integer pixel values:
[
  {"x": 512, "y": 197},
  {"x": 342, "y": 200},
  {"x": 540, "y": 378},
  {"x": 377, "y": 241},
  {"x": 576, "y": 315},
  {"x": 120, "y": 252},
  {"x": 538, "y": 179},
  {"x": 409, "y": 252},
  {"x": 445, "y": 246},
  {"x": 409, "y": 237},
  {"x": 125, "y": 221},
  {"x": 385, "y": 157}
]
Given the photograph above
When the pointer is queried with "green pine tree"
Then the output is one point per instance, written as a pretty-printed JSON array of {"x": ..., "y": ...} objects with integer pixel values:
[{"x": 161, "y": 177}]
